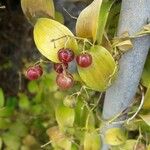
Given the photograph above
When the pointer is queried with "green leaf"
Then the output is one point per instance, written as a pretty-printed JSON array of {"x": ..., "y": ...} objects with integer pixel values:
[
  {"x": 1, "y": 143},
  {"x": 146, "y": 72},
  {"x": 4, "y": 123},
  {"x": 34, "y": 9},
  {"x": 65, "y": 116},
  {"x": 11, "y": 141},
  {"x": 33, "y": 87},
  {"x": 50, "y": 37},
  {"x": 92, "y": 141},
  {"x": 59, "y": 17},
  {"x": 24, "y": 102},
  {"x": 100, "y": 74},
  {"x": 6, "y": 111},
  {"x": 115, "y": 136},
  {"x": 18, "y": 129},
  {"x": 147, "y": 99},
  {"x": 2, "y": 100}
]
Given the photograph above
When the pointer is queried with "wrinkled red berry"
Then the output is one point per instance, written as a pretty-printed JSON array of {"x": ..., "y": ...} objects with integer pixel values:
[
  {"x": 65, "y": 55},
  {"x": 64, "y": 81},
  {"x": 84, "y": 60},
  {"x": 34, "y": 72},
  {"x": 58, "y": 67}
]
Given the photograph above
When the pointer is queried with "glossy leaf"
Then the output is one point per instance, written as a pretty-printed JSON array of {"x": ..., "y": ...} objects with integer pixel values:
[
  {"x": 48, "y": 30},
  {"x": 34, "y": 9},
  {"x": 92, "y": 141},
  {"x": 65, "y": 116},
  {"x": 100, "y": 74},
  {"x": 115, "y": 136},
  {"x": 2, "y": 100},
  {"x": 92, "y": 20}
]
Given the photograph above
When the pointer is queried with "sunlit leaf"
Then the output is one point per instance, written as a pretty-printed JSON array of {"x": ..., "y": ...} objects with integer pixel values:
[
  {"x": 2, "y": 100},
  {"x": 99, "y": 75},
  {"x": 129, "y": 145},
  {"x": 65, "y": 116},
  {"x": 87, "y": 22},
  {"x": 92, "y": 141},
  {"x": 48, "y": 30},
  {"x": 34, "y": 9},
  {"x": 115, "y": 136},
  {"x": 92, "y": 20}
]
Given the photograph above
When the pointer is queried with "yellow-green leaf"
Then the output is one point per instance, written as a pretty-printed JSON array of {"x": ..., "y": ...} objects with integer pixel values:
[
  {"x": 92, "y": 141},
  {"x": 99, "y": 75},
  {"x": 2, "y": 100},
  {"x": 1, "y": 143},
  {"x": 115, "y": 136},
  {"x": 87, "y": 22},
  {"x": 129, "y": 145},
  {"x": 59, "y": 17},
  {"x": 147, "y": 99},
  {"x": 92, "y": 20},
  {"x": 34, "y": 9},
  {"x": 146, "y": 72},
  {"x": 146, "y": 118},
  {"x": 48, "y": 30},
  {"x": 65, "y": 116}
]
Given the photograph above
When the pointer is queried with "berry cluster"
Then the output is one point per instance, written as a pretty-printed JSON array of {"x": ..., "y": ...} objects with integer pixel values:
[
  {"x": 65, "y": 55},
  {"x": 64, "y": 79}
]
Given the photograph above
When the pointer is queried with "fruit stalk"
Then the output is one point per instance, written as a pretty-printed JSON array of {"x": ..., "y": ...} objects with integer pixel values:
[{"x": 134, "y": 15}]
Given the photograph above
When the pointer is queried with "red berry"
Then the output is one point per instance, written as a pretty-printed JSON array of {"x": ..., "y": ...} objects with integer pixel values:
[
  {"x": 84, "y": 60},
  {"x": 58, "y": 67},
  {"x": 65, "y": 55},
  {"x": 34, "y": 72},
  {"x": 64, "y": 81}
]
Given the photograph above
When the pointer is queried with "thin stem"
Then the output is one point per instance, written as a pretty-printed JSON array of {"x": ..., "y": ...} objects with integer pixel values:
[
  {"x": 140, "y": 107},
  {"x": 70, "y": 14},
  {"x": 42, "y": 146}
]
